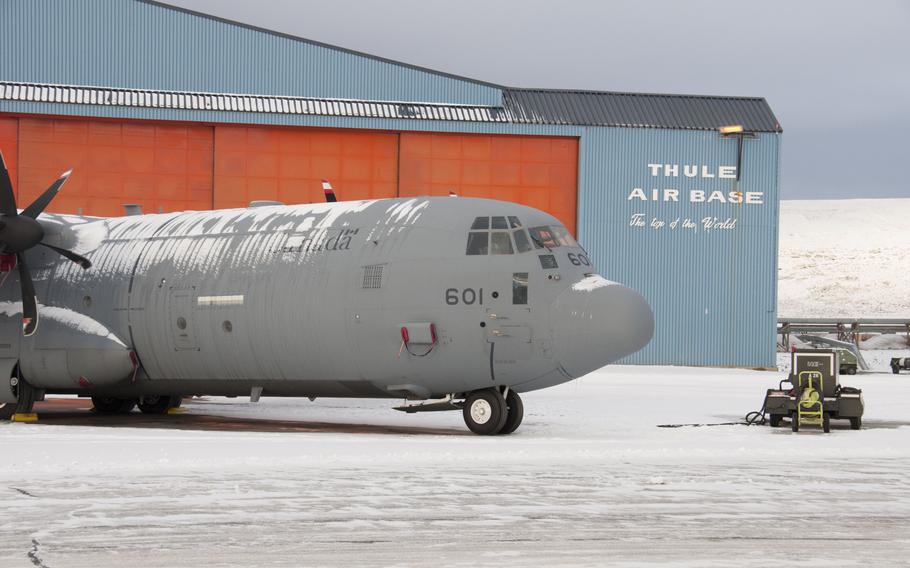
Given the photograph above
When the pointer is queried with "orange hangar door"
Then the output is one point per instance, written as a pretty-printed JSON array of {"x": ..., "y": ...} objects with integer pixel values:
[
  {"x": 162, "y": 167},
  {"x": 288, "y": 164},
  {"x": 539, "y": 171}
]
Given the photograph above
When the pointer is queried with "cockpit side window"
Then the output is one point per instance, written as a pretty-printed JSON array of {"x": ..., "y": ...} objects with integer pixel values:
[
  {"x": 543, "y": 237},
  {"x": 514, "y": 222},
  {"x": 500, "y": 242},
  {"x": 564, "y": 236},
  {"x": 552, "y": 237},
  {"x": 478, "y": 243},
  {"x": 522, "y": 243}
]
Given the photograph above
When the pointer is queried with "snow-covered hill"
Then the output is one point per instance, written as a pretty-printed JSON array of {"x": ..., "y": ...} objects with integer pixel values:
[{"x": 844, "y": 258}]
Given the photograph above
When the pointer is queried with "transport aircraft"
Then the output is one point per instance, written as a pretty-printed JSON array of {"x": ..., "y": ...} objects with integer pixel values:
[{"x": 447, "y": 303}]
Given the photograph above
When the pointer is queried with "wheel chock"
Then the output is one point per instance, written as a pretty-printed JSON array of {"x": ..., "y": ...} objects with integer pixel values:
[
  {"x": 29, "y": 417},
  {"x": 176, "y": 410}
]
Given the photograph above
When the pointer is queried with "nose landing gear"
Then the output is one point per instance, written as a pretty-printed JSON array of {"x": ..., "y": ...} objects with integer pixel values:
[{"x": 487, "y": 412}]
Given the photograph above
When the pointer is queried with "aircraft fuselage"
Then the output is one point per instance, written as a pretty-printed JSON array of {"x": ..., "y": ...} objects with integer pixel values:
[{"x": 310, "y": 300}]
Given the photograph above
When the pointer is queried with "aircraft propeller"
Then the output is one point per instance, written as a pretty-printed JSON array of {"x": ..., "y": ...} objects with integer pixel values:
[{"x": 20, "y": 232}]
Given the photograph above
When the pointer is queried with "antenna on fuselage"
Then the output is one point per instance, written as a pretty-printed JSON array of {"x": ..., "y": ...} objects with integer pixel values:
[{"x": 329, "y": 192}]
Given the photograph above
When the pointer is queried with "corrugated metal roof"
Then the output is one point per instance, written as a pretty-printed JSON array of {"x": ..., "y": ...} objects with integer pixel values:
[
  {"x": 639, "y": 110},
  {"x": 520, "y": 106},
  {"x": 145, "y": 98}
]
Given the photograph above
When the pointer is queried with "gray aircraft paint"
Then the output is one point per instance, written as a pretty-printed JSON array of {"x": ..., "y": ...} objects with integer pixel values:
[{"x": 287, "y": 298}]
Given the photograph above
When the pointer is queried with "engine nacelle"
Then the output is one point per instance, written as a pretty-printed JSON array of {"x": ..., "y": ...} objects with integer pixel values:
[{"x": 74, "y": 351}]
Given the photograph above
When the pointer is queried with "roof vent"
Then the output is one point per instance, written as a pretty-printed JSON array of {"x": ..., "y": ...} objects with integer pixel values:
[{"x": 131, "y": 209}]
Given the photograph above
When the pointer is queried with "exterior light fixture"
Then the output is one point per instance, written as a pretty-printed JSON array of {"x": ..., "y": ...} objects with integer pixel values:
[{"x": 737, "y": 131}]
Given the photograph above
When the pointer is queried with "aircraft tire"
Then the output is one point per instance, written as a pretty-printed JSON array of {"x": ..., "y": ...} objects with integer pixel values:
[
  {"x": 515, "y": 411},
  {"x": 156, "y": 404},
  {"x": 108, "y": 405},
  {"x": 485, "y": 412}
]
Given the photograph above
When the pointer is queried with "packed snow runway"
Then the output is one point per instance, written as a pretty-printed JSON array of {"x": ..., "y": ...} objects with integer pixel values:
[{"x": 589, "y": 479}]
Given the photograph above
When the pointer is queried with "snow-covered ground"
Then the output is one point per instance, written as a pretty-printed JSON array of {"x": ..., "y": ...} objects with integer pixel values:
[
  {"x": 589, "y": 480},
  {"x": 844, "y": 258}
]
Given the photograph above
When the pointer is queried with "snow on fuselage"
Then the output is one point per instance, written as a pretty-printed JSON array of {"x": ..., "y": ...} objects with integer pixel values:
[{"x": 310, "y": 300}]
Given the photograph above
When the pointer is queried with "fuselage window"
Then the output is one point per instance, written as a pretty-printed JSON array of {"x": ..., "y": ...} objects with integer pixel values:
[
  {"x": 522, "y": 243},
  {"x": 520, "y": 288},
  {"x": 500, "y": 243},
  {"x": 481, "y": 224},
  {"x": 500, "y": 223},
  {"x": 514, "y": 223},
  {"x": 478, "y": 243}
]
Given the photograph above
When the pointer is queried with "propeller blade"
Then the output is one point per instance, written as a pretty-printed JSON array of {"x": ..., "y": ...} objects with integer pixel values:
[
  {"x": 7, "y": 197},
  {"x": 45, "y": 198},
  {"x": 77, "y": 258},
  {"x": 29, "y": 302}
]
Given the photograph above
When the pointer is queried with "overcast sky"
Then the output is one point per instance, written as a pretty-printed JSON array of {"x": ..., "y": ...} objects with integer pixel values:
[{"x": 837, "y": 74}]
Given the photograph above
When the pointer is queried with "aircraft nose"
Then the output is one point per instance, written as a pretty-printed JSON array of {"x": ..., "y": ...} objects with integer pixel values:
[{"x": 597, "y": 322}]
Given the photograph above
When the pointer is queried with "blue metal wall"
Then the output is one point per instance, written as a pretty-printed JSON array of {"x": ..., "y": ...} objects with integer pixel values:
[
  {"x": 124, "y": 43},
  {"x": 714, "y": 293}
]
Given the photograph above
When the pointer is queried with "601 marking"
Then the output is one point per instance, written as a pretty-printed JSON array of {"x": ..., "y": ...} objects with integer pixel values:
[
  {"x": 468, "y": 296},
  {"x": 579, "y": 259}
]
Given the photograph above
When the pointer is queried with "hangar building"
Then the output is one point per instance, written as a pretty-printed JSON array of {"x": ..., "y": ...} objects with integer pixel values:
[{"x": 173, "y": 110}]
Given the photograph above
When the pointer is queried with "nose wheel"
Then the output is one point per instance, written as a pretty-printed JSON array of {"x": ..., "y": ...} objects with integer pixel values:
[{"x": 487, "y": 412}]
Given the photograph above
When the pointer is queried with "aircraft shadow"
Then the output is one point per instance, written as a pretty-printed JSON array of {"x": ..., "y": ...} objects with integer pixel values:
[{"x": 77, "y": 412}]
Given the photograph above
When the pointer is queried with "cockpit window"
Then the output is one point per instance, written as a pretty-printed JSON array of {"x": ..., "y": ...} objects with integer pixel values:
[
  {"x": 478, "y": 243},
  {"x": 493, "y": 235},
  {"x": 522, "y": 243},
  {"x": 500, "y": 243},
  {"x": 552, "y": 237},
  {"x": 564, "y": 237}
]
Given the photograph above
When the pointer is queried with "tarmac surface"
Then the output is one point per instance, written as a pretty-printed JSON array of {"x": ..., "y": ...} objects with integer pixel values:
[{"x": 588, "y": 480}]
